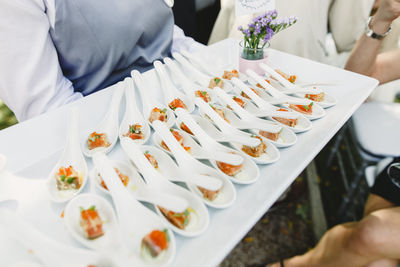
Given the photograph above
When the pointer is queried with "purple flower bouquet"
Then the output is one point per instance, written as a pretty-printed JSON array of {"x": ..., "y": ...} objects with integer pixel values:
[{"x": 260, "y": 31}]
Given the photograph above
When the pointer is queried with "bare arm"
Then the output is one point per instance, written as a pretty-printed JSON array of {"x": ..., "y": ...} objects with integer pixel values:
[{"x": 365, "y": 59}]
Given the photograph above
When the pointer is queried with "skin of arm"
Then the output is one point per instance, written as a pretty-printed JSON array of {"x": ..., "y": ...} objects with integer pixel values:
[{"x": 365, "y": 58}]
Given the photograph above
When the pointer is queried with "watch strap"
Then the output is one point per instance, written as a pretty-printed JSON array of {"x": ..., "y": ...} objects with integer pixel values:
[{"x": 370, "y": 33}]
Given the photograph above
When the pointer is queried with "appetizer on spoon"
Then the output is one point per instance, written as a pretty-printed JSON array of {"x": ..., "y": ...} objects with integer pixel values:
[
  {"x": 201, "y": 78},
  {"x": 90, "y": 219},
  {"x": 104, "y": 136},
  {"x": 195, "y": 150},
  {"x": 323, "y": 99},
  {"x": 152, "y": 109},
  {"x": 263, "y": 152},
  {"x": 169, "y": 169},
  {"x": 221, "y": 197},
  {"x": 278, "y": 135},
  {"x": 304, "y": 106},
  {"x": 191, "y": 221},
  {"x": 49, "y": 251},
  {"x": 133, "y": 124},
  {"x": 172, "y": 96},
  {"x": 138, "y": 188},
  {"x": 226, "y": 76},
  {"x": 69, "y": 175},
  {"x": 243, "y": 172},
  {"x": 295, "y": 121},
  {"x": 190, "y": 88},
  {"x": 147, "y": 239}
]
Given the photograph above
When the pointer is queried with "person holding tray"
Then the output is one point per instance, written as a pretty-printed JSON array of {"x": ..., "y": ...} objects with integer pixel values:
[
  {"x": 375, "y": 240},
  {"x": 55, "y": 52}
]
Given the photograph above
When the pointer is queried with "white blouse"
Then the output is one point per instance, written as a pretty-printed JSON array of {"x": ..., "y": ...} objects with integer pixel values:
[{"x": 31, "y": 79}]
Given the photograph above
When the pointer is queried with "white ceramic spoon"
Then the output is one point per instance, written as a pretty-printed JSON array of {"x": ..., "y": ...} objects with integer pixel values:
[
  {"x": 71, "y": 156},
  {"x": 169, "y": 90},
  {"x": 135, "y": 220},
  {"x": 169, "y": 169},
  {"x": 110, "y": 240},
  {"x": 201, "y": 78},
  {"x": 302, "y": 124},
  {"x": 285, "y": 100},
  {"x": 327, "y": 102},
  {"x": 248, "y": 121},
  {"x": 286, "y": 84},
  {"x": 140, "y": 190},
  {"x": 249, "y": 172},
  {"x": 199, "y": 152},
  {"x": 198, "y": 213},
  {"x": 262, "y": 108},
  {"x": 210, "y": 154},
  {"x": 261, "y": 103},
  {"x": 189, "y": 166},
  {"x": 132, "y": 114},
  {"x": 209, "y": 69},
  {"x": 149, "y": 103},
  {"x": 109, "y": 125},
  {"x": 277, "y": 97},
  {"x": 294, "y": 89},
  {"x": 49, "y": 251},
  {"x": 270, "y": 155},
  {"x": 286, "y": 136},
  {"x": 187, "y": 85}
]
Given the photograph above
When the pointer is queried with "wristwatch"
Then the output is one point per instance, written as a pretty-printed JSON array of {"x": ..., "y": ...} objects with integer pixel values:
[
  {"x": 370, "y": 33},
  {"x": 394, "y": 173}
]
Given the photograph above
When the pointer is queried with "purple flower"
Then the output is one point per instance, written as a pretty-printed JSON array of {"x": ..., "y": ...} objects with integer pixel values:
[
  {"x": 240, "y": 28},
  {"x": 292, "y": 20}
]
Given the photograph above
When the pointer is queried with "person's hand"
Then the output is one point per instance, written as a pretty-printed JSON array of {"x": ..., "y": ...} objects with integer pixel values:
[{"x": 388, "y": 11}]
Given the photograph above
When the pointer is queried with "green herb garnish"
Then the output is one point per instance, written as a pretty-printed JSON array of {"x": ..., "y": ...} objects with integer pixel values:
[
  {"x": 203, "y": 93},
  {"x": 217, "y": 80},
  {"x": 132, "y": 128},
  {"x": 70, "y": 180},
  {"x": 164, "y": 110},
  {"x": 92, "y": 207},
  {"x": 166, "y": 234},
  {"x": 62, "y": 178}
]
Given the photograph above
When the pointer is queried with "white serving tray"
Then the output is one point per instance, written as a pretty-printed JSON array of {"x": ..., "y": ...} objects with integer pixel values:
[{"x": 34, "y": 158}]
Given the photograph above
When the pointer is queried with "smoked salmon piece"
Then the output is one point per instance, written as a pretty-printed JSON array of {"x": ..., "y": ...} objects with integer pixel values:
[
  {"x": 158, "y": 114},
  {"x": 156, "y": 242},
  {"x": 257, "y": 150},
  {"x": 91, "y": 223}
]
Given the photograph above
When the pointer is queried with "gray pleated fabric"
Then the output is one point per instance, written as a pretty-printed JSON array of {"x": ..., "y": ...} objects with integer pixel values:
[{"x": 100, "y": 41}]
